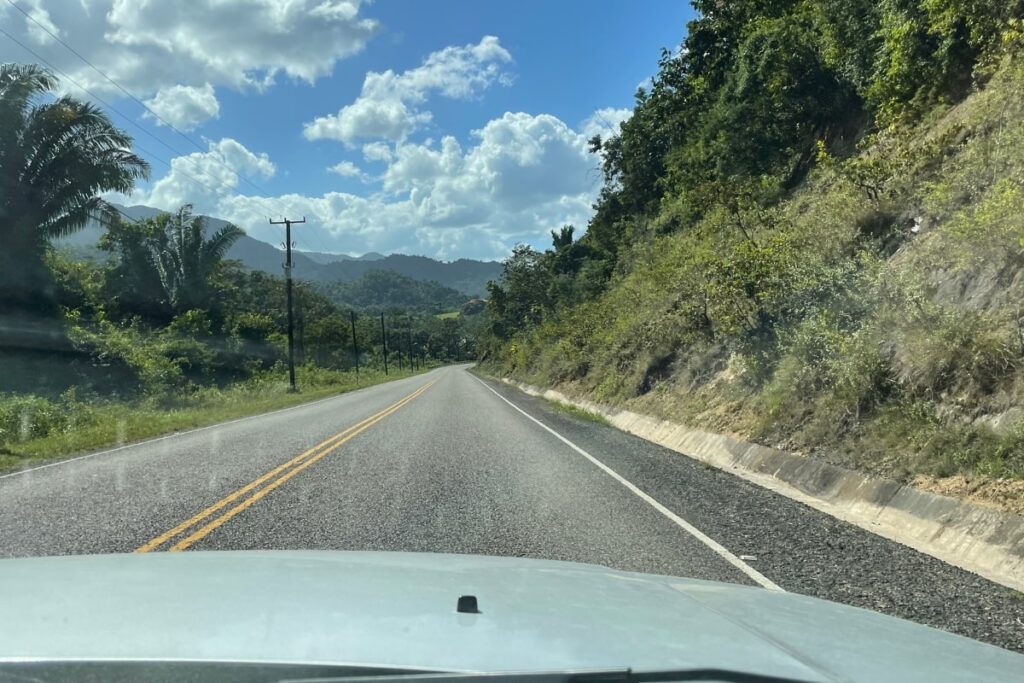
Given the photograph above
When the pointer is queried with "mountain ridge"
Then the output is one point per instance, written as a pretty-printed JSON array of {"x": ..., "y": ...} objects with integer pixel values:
[{"x": 467, "y": 276}]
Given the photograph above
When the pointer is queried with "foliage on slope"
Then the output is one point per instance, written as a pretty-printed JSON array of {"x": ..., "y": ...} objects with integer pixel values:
[
  {"x": 810, "y": 233},
  {"x": 379, "y": 290}
]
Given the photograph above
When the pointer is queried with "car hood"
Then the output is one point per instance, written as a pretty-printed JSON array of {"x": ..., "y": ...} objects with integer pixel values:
[{"x": 399, "y": 610}]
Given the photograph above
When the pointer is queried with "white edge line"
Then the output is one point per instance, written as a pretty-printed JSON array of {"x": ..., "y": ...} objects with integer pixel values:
[
  {"x": 173, "y": 435},
  {"x": 721, "y": 550}
]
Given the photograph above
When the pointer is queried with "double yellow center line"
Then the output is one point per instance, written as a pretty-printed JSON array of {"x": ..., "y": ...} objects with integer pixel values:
[{"x": 260, "y": 487}]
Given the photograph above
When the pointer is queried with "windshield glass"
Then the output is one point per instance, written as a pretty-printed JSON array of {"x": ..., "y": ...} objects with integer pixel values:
[{"x": 682, "y": 292}]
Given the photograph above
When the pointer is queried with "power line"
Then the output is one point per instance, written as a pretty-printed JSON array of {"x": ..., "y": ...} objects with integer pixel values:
[
  {"x": 222, "y": 192},
  {"x": 145, "y": 106},
  {"x": 117, "y": 111},
  {"x": 126, "y": 92}
]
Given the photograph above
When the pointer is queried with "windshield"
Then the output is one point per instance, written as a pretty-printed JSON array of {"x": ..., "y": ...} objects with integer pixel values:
[{"x": 692, "y": 292}]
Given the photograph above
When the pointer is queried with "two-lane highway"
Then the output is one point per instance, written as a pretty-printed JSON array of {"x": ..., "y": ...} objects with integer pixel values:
[{"x": 445, "y": 462}]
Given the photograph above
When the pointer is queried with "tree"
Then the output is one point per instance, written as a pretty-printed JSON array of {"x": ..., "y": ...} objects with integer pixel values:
[
  {"x": 329, "y": 339},
  {"x": 56, "y": 157},
  {"x": 133, "y": 284},
  {"x": 518, "y": 302},
  {"x": 169, "y": 257},
  {"x": 188, "y": 258}
]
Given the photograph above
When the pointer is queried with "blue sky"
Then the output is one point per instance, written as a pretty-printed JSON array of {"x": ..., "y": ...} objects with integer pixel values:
[{"x": 455, "y": 129}]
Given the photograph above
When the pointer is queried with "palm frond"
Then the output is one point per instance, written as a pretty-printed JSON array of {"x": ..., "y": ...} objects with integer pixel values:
[
  {"x": 219, "y": 242},
  {"x": 56, "y": 158}
]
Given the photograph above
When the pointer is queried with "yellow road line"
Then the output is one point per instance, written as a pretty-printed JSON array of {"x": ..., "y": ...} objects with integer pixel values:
[
  {"x": 348, "y": 432},
  {"x": 209, "y": 527}
]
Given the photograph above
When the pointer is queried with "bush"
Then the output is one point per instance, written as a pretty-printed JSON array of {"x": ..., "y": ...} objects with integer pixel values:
[
  {"x": 28, "y": 417},
  {"x": 954, "y": 354}
]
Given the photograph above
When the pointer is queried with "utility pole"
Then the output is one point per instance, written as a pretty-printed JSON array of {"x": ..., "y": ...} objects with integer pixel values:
[
  {"x": 355, "y": 344},
  {"x": 288, "y": 289},
  {"x": 300, "y": 328},
  {"x": 398, "y": 347},
  {"x": 384, "y": 341},
  {"x": 408, "y": 345}
]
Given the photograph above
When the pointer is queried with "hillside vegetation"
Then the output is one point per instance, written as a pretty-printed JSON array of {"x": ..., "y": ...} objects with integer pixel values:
[
  {"x": 380, "y": 290},
  {"x": 810, "y": 234}
]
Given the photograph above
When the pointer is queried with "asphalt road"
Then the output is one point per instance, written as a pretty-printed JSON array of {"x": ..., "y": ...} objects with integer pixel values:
[{"x": 444, "y": 462}]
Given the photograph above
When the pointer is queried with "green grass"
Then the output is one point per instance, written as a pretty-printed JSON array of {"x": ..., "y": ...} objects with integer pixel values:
[
  {"x": 449, "y": 315},
  {"x": 579, "y": 413},
  {"x": 74, "y": 426}
]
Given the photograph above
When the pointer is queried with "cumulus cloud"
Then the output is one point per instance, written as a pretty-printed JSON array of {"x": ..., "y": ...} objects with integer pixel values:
[
  {"x": 388, "y": 105},
  {"x": 42, "y": 30},
  {"x": 206, "y": 178},
  {"x": 151, "y": 45},
  {"x": 185, "y": 107},
  {"x": 515, "y": 179},
  {"x": 377, "y": 151},
  {"x": 347, "y": 169}
]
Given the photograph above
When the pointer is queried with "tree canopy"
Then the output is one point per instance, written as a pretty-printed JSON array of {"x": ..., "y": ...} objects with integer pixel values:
[{"x": 57, "y": 156}]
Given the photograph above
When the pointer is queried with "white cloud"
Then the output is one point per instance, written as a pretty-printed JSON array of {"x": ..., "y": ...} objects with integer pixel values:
[
  {"x": 185, "y": 107},
  {"x": 205, "y": 179},
  {"x": 42, "y": 30},
  {"x": 150, "y": 45},
  {"x": 519, "y": 177},
  {"x": 347, "y": 169},
  {"x": 377, "y": 151},
  {"x": 604, "y": 122},
  {"x": 387, "y": 106},
  {"x": 390, "y": 119}
]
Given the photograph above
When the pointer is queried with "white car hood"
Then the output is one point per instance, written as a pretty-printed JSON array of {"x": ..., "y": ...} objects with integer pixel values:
[{"x": 399, "y": 610}]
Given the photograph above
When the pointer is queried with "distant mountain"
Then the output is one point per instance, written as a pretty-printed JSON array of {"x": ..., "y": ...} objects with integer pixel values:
[
  {"x": 253, "y": 253},
  {"x": 466, "y": 276},
  {"x": 379, "y": 290},
  {"x": 321, "y": 257}
]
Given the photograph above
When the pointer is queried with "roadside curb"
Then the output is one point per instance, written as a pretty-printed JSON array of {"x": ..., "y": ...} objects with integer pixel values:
[{"x": 982, "y": 540}]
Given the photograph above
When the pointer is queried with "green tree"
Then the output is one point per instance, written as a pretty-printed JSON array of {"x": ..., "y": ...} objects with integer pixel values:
[
  {"x": 519, "y": 300},
  {"x": 189, "y": 258},
  {"x": 329, "y": 340},
  {"x": 167, "y": 262},
  {"x": 133, "y": 284},
  {"x": 56, "y": 157}
]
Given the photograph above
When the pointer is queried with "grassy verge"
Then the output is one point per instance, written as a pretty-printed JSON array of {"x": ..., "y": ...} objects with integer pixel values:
[
  {"x": 34, "y": 429},
  {"x": 578, "y": 413}
]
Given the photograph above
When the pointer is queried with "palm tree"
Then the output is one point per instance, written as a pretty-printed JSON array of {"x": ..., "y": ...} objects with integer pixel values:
[
  {"x": 56, "y": 156},
  {"x": 185, "y": 259},
  {"x": 164, "y": 264}
]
